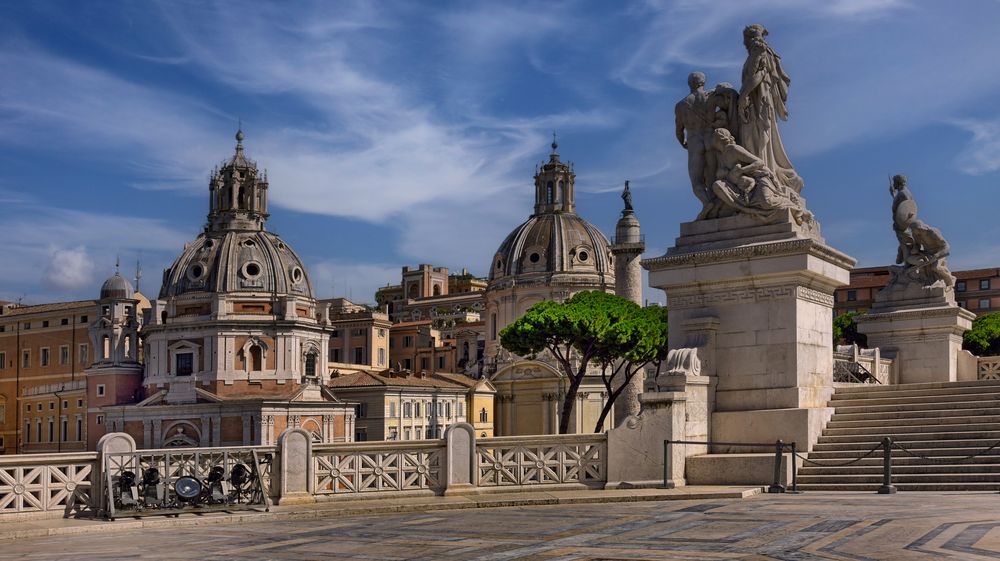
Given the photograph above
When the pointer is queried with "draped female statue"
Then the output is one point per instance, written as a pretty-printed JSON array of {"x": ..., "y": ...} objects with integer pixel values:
[{"x": 761, "y": 102}]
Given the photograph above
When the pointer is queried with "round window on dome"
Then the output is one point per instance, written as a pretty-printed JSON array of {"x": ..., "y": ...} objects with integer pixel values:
[
  {"x": 249, "y": 243},
  {"x": 582, "y": 256},
  {"x": 251, "y": 270},
  {"x": 296, "y": 275},
  {"x": 196, "y": 272},
  {"x": 534, "y": 258}
]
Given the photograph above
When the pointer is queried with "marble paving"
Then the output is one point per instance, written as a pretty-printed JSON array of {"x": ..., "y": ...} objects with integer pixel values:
[{"x": 847, "y": 526}]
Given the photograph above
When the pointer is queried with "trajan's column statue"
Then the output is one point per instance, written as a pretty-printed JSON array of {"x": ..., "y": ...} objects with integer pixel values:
[{"x": 736, "y": 161}]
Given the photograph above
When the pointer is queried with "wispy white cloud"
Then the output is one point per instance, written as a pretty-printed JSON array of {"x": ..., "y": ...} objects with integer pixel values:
[{"x": 982, "y": 155}]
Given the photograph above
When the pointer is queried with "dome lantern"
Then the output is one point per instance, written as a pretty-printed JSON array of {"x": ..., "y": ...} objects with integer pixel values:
[
  {"x": 237, "y": 193},
  {"x": 554, "y": 184}
]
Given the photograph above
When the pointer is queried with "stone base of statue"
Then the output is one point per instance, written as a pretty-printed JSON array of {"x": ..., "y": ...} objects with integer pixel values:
[
  {"x": 923, "y": 326},
  {"x": 770, "y": 288}
]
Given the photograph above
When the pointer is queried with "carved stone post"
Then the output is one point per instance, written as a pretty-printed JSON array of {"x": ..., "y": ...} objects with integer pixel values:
[
  {"x": 295, "y": 467},
  {"x": 460, "y": 459}
]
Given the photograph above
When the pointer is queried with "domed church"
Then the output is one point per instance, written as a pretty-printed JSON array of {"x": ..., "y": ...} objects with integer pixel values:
[
  {"x": 234, "y": 352},
  {"x": 552, "y": 255}
]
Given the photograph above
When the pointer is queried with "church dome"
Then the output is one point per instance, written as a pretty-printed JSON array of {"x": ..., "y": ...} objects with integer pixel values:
[
  {"x": 117, "y": 287},
  {"x": 554, "y": 239},
  {"x": 235, "y": 253},
  {"x": 552, "y": 243}
]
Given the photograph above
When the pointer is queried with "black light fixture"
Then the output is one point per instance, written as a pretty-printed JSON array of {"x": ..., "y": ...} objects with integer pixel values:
[
  {"x": 128, "y": 493},
  {"x": 152, "y": 490},
  {"x": 239, "y": 475},
  {"x": 187, "y": 488}
]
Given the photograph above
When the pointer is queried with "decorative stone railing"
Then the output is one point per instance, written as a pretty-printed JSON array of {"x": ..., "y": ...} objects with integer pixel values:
[
  {"x": 989, "y": 368},
  {"x": 297, "y": 470},
  {"x": 46, "y": 484},
  {"x": 870, "y": 359},
  {"x": 378, "y": 467},
  {"x": 542, "y": 460}
]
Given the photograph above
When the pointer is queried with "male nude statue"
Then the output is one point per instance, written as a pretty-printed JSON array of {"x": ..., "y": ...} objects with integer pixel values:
[{"x": 693, "y": 117}]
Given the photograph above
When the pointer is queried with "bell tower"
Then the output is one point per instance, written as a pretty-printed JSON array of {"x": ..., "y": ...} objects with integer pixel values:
[
  {"x": 554, "y": 184},
  {"x": 237, "y": 193}
]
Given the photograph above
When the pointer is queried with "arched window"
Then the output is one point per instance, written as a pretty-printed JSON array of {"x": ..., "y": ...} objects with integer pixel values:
[
  {"x": 550, "y": 195},
  {"x": 483, "y": 416},
  {"x": 311, "y": 364},
  {"x": 257, "y": 358},
  {"x": 105, "y": 347},
  {"x": 437, "y": 290}
]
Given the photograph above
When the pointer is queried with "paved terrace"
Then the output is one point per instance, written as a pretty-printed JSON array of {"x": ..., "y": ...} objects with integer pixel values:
[{"x": 695, "y": 524}]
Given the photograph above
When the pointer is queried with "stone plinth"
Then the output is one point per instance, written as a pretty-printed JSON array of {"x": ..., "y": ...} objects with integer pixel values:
[
  {"x": 635, "y": 448},
  {"x": 771, "y": 289},
  {"x": 927, "y": 341}
]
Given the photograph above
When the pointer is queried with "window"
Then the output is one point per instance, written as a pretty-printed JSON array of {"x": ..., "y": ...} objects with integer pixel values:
[
  {"x": 407, "y": 364},
  {"x": 64, "y": 430},
  {"x": 392, "y": 343},
  {"x": 52, "y": 430},
  {"x": 334, "y": 355},
  {"x": 447, "y": 410},
  {"x": 424, "y": 363},
  {"x": 393, "y": 433},
  {"x": 984, "y": 284},
  {"x": 360, "y": 435},
  {"x": 25, "y": 359},
  {"x": 407, "y": 340},
  {"x": 984, "y": 303},
  {"x": 256, "y": 358},
  {"x": 100, "y": 419},
  {"x": 852, "y": 295},
  {"x": 84, "y": 352},
  {"x": 392, "y": 409},
  {"x": 381, "y": 333},
  {"x": 381, "y": 356},
  {"x": 311, "y": 365},
  {"x": 406, "y": 434},
  {"x": 441, "y": 363},
  {"x": 184, "y": 364},
  {"x": 3, "y": 361},
  {"x": 52, "y": 406},
  {"x": 106, "y": 310},
  {"x": 100, "y": 393},
  {"x": 429, "y": 409},
  {"x": 79, "y": 403},
  {"x": 46, "y": 322},
  {"x": 43, "y": 356},
  {"x": 27, "y": 431},
  {"x": 83, "y": 319},
  {"x": 960, "y": 286},
  {"x": 357, "y": 332},
  {"x": 64, "y": 321},
  {"x": 460, "y": 406},
  {"x": 361, "y": 411},
  {"x": 64, "y": 354},
  {"x": 483, "y": 417},
  {"x": 79, "y": 428},
  {"x": 416, "y": 409},
  {"x": 359, "y": 355},
  {"x": 28, "y": 408},
  {"x": 105, "y": 347},
  {"x": 407, "y": 410},
  {"x": 963, "y": 304},
  {"x": 335, "y": 334},
  {"x": 65, "y": 404},
  {"x": 27, "y": 325}
]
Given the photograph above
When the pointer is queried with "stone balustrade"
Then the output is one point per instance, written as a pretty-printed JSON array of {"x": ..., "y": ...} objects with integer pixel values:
[
  {"x": 989, "y": 368},
  {"x": 33, "y": 485},
  {"x": 298, "y": 470}
]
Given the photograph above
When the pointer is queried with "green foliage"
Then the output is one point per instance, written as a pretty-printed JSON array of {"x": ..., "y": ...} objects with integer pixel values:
[
  {"x": 591, "y": 326},
  {"x": 984, "y": 337},
  {"x": 845, "y": 330}
]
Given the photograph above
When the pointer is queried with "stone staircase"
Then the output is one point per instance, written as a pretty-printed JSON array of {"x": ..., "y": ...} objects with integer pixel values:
[{"x": 944, "y": 421}]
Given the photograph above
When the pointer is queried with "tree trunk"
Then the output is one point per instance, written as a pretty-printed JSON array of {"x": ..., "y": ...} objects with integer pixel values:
[
  {"x": 612, "y": 396},
  {"x": 568, "y": 402}
]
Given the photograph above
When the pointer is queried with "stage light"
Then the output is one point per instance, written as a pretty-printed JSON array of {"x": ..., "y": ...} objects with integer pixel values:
[
  {"x": 152, "y": 489},
  {"x": 239, "y": 475},
  {"x": 187, "y": 488},
  {"x": 128, "y": 493}
]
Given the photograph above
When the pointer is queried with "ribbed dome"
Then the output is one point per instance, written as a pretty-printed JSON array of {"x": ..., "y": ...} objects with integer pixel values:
[
  {"x": 553, "y": 243},
  {"x": 117, "y": 287},
  {"x": 237, "y": 261}
]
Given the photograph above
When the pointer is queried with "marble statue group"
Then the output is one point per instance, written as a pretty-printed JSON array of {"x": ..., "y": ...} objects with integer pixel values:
[
  {"x": 922, "y": 249},
  {"x": 736, "y": 161}
]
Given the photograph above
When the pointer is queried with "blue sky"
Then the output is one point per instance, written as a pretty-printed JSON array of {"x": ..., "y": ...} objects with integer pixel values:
[{"x": 401, "y": 132}]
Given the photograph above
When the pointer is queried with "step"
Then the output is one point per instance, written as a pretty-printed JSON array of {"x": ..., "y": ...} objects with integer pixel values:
[
  {"x": 905, "y": 487},
  {"x": 875, "y": 460},
  {"x": 844, "y": 455},
  {"x": 904, "y": 478},
  {"x": 901, "y": 393},
  {"x": 939, "y": 469},
  {"x": 913, "y": 445},
  {"x": 883, "y": 426},
  {"x": 871, "y": 388},
  {"x": 898, "y": 413},
  {"x": 914, "y": 400},
  {"x": 869, "y": 439},
  {"x": 906, "y": 407}
]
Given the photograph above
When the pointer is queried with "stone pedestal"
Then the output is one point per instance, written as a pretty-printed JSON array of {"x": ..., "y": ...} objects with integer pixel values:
[
  {"x": 770, "y": 287},
  {"x": 636, "y": 449},
  {"x": 927, "y": 341}
]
